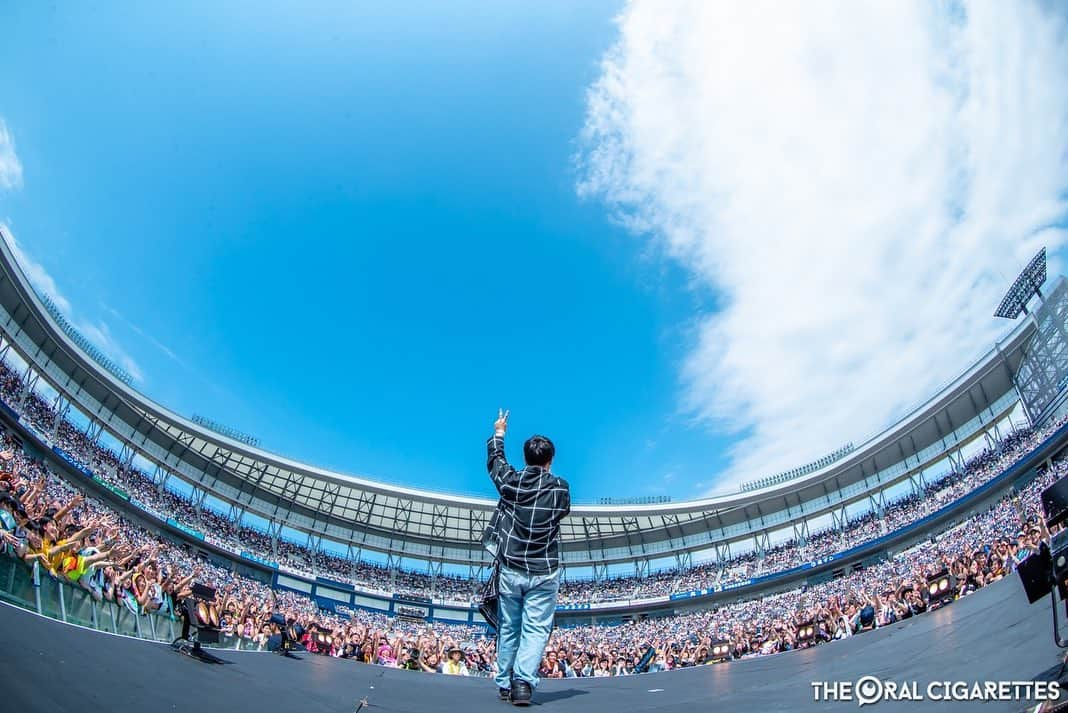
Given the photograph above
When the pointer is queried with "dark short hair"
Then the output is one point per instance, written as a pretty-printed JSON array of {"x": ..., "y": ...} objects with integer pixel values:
[{"x": 538, "y": 450}]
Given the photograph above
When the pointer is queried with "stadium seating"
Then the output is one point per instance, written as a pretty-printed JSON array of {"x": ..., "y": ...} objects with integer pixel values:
[{"x": 55, "y": 532}]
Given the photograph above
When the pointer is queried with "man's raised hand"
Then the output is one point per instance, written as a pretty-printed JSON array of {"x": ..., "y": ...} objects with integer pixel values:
[{"x": 501, "y": 424}]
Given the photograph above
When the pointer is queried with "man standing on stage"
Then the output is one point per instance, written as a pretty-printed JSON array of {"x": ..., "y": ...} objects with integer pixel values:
[{"x": 526, "y": 524}]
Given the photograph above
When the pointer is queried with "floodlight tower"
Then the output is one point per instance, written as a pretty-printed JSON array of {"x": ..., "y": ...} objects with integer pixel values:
[
  {"x": 1027, "y": 285},
  {"x": 1043, "y": 372}
]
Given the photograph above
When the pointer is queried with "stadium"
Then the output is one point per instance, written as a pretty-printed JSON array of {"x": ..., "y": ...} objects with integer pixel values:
[
  {"x": 772, "y": 293},
  {"x": 941, "y": 506}
]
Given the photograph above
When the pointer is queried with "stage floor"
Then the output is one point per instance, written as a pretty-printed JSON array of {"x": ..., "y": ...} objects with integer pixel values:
[{"x": 991, "y": 635}]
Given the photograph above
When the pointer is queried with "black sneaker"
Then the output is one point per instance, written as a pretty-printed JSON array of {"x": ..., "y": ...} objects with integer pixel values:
[
  {"x": 520, "y": 693},
  {"x": 504, "y": 694}
]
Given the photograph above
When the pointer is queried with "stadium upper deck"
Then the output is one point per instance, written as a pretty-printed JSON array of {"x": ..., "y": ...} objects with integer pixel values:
[{"x": 442, "y": 527}]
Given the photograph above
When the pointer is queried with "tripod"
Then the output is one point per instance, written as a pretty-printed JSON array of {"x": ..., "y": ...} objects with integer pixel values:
[{"x": 189, "y": 642}]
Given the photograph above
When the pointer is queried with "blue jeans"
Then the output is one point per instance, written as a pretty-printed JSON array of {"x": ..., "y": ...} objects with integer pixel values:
[{"x": 525, "y": 612}]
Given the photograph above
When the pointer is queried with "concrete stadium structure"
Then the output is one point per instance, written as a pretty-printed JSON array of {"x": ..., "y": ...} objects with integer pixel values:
[{"x": 408, "y": 526}]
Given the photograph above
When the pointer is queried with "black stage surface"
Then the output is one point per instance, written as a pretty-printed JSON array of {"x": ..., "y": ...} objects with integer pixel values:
[{"x": 990, "y": 635}]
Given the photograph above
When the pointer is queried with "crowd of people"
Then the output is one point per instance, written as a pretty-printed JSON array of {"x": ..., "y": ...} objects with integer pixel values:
[
  {"x": 863, "y": 528},
  {"x": 981, "y": 551},
  {"x": 63, "y": 533},
  {"x": 50, "y": 525},
  {"x": 372, "y": 577}
]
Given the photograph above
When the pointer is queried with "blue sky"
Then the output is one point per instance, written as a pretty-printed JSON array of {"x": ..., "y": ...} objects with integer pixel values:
[
  {"x": 354, "y": 235},
  {"x": 693, "y": 245}
]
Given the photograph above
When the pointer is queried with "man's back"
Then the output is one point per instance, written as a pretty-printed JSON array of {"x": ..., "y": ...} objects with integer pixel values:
[
  {"x": 526, "y": 532},
  {"x": 532, "y": 503}
]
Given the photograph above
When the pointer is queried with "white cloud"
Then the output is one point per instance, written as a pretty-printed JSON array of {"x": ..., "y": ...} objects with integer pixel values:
[
  {"x": 36, "y": 273},
  {"x": 97, "y": 333},
  {"x": 858, "y": 182},
  {"x": 10, "y": 166},
  {"x": 167, "y": 351}
]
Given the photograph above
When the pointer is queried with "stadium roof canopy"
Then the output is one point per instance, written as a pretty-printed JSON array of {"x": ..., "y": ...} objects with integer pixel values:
[{"x": 412, "y": 523}]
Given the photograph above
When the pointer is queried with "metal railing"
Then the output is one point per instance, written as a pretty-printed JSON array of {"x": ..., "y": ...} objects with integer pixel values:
[{"x": 60, "y": 600}]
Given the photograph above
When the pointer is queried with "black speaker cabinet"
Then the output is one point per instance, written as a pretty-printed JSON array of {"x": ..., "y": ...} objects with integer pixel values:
[{"x": 1055, "y": 502}]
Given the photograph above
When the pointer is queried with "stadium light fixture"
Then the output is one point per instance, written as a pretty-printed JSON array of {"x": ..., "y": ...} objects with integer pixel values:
[
  {"x": 941, "y": 589},
  {"x": 200, "y": 624},
  {"x": 1026, "y": 286},
  {"x": 323, "y": 639},
  {"x": 224, "y": 430},
  {"x": 83, "y": 343},
  {"x": 719, "y": 651},
  {"x": 812, "y": 467},
  {"x": 806, "y": 634}
]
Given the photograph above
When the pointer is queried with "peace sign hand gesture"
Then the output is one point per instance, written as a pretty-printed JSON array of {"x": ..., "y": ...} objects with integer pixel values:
[{"x": 501, "y": 424}]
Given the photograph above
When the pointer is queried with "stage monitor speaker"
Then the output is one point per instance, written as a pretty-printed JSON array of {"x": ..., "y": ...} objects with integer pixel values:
[
  {"x": 1035, "y": 574},
  {"x": 203, "y": 591},
  {"x": 1055, "y": 502}
]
